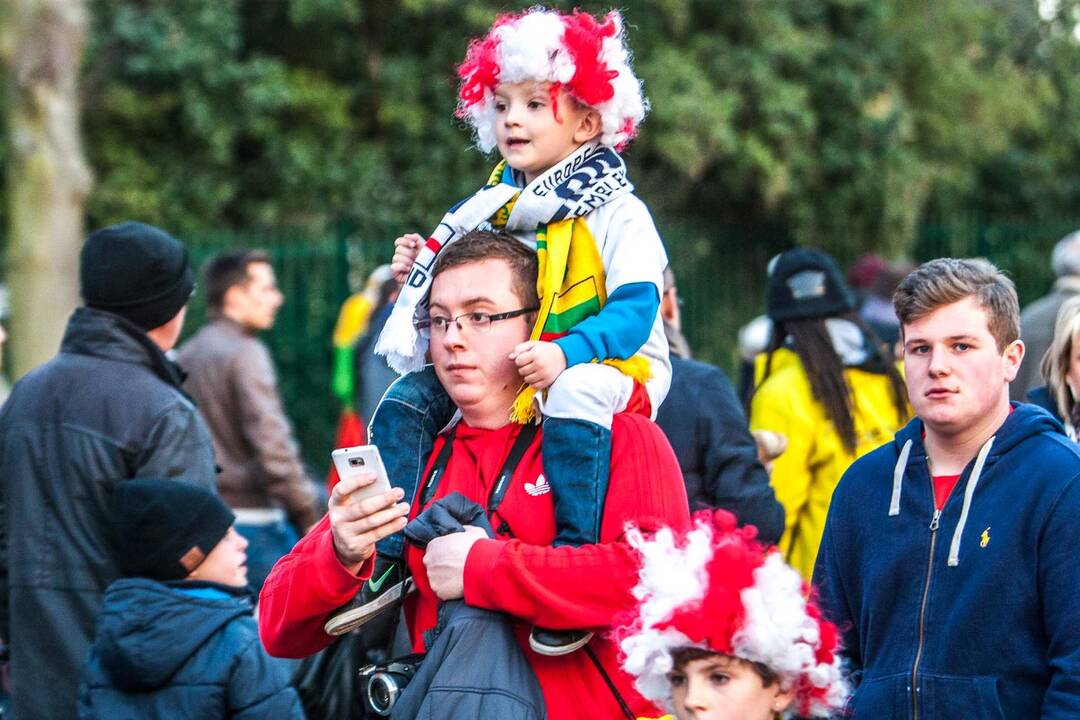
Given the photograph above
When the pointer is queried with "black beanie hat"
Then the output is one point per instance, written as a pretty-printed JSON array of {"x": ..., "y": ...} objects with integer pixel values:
[
  {"x": 136, "y": 271},
  {"x": 164, "y": 529},
  {"x": 805, "y": 283}
]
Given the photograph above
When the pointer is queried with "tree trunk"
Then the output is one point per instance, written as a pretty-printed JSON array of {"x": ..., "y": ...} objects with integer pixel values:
[{"x": 48, "y": 180}]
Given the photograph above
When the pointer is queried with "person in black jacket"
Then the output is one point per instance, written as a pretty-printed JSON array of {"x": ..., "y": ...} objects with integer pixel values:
[
  {"x": 706, "y": 427},
  {"x": 176, "y": 638},
  {"x": 108, "y": 406}
]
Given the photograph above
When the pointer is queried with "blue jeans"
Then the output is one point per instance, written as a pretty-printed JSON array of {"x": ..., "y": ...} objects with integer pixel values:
[
  {"x": 266, "y": 545},
  {"x": 576, "y": 455},
  {"x": 577, "y": 460},
  {"x": 409, "y": 416}
]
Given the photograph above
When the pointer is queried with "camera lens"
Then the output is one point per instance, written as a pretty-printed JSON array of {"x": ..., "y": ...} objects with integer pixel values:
[{"x": 383, "y": 692}]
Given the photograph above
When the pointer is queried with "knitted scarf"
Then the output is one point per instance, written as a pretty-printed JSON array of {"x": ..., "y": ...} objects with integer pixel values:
[{"x": 571, "y": 281}]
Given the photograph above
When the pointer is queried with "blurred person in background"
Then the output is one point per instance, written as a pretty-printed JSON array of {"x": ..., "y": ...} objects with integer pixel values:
[
  {"x": 353, "y": 323},
  {"x": 106, "y": 409},
  {"x": 826, "y": 385},
  {"x": 1061, "y": 369},
  {"x": 232, "y": 378},
  {"x": 1037, "y": 318},
  {"x": 372, "y": 374},
  {"x": 5, "y": 388},
  {"x": 753, "y": 340},
  {"x": 352, "y": 327},
  {"x": 876, "y": 281},
  {"x": 705, "y": 425}
]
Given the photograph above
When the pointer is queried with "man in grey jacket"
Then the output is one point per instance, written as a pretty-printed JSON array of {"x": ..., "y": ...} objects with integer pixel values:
[
  {"x": 231, "y": 377},
  {"x": 107, "y": 408},
  {"x": 1038, "y": 318}
]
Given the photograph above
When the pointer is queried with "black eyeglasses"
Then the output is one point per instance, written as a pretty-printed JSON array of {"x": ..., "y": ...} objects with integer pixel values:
[{"x": 472, "y": 322}]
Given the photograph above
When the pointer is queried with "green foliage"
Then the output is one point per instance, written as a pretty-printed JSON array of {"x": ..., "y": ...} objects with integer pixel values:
[{"x": 845, "y": 121}]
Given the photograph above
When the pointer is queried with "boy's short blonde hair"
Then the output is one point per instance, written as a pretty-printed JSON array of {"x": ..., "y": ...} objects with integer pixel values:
[{"x": 948, "y": 280}]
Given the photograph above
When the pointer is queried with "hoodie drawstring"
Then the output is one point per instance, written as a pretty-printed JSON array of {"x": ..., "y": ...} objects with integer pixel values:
[
  {"x": 969, "y": 491},
  {"x": 898, "y": 479}
]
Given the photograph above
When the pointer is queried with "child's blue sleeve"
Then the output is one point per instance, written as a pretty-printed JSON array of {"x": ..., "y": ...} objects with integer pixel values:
[{"x": 618, "y": 331}]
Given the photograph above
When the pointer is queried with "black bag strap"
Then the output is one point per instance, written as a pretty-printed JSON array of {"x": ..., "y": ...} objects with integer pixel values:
[
  {"x": 626, "y": 711},
  {"x": 517, "y": 451},
  {"x": 431, "y": 482},
  {"x": 513, "y": 459}
]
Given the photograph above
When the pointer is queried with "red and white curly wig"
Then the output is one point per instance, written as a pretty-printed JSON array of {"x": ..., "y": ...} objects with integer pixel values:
[
  {"x": 576, "y": 52},
  {"x": 718, "y": 589}
]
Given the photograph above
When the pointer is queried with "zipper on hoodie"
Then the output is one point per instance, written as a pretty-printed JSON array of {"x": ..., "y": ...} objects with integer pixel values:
[{"x": 934, "y": 524}]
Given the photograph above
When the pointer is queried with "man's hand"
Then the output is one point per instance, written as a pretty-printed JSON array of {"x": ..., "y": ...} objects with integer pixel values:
[
  {"x": 406, "y": 248},
  {"x": 445, "y": 562},
  {"x": 357, "y": 524},
  {"x": 539, "y": 362}
]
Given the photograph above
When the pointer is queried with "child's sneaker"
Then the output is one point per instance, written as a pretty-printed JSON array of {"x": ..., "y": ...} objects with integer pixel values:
[
  {"x": 557, "y": 642},
  {"x": 385, "y": 587}
]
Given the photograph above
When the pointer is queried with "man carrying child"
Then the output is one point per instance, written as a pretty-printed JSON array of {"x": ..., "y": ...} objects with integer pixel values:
[
  {"x": 482, "y": 301},
  {"x": 556, "y": 95}
]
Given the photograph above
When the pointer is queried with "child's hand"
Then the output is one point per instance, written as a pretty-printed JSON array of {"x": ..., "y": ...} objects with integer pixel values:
[
  {"x": 406, "y": 248},
  {"x": 539, "y": 362}
]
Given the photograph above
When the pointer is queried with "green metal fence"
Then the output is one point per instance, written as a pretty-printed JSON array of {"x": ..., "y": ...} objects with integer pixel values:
[{"x": 720, "y": 274}]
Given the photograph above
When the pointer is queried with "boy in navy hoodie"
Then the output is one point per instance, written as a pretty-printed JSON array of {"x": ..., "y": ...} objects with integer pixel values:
[
  {"x": 949, "y": 555},
  {"x": 176, "y": 637}
]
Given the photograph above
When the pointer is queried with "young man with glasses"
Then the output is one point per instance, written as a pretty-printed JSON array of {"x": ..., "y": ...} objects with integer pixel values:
[
  {"x": 599, "y": 372},
  {"x": 482, "y": 308}
]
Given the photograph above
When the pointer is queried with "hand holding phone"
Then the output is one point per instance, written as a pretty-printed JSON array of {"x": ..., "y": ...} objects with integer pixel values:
[
  {"x": 355, "y": 527},
  {"x": 350, "y": 462}
]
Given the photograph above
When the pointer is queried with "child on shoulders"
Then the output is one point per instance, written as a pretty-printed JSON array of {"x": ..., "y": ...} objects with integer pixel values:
[{"x": 556, "y": 95}]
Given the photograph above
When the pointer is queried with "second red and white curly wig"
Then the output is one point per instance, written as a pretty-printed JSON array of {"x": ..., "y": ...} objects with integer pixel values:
[
  {"x": 576, "y": 52},
  {"x": 718, "y": 589}
]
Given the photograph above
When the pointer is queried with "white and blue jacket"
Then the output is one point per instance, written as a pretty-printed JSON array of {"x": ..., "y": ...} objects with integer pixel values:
[{"x": 972, "y": 611}]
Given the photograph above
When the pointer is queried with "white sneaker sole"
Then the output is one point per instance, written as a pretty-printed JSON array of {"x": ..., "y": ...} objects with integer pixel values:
[
  {"x": 351, "y": 617},
  {"x": 551, "y": 651}
]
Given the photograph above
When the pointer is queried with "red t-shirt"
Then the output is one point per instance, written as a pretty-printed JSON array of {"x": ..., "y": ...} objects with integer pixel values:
[
  {"x": 943, "y": 487},
  {"x": 944, "y": 484}
]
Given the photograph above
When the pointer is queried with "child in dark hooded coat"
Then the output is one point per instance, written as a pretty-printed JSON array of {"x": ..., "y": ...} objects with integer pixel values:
[{"x": 176, "y": 637}]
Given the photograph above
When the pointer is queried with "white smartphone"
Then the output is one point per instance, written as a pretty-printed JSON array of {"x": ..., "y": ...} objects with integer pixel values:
[{"x": 349, "y": 462}]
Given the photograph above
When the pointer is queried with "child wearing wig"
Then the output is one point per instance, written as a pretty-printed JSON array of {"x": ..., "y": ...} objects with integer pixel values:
[
  {"x": 556, "y": 95},
  {"x": 723, "y": 629}
]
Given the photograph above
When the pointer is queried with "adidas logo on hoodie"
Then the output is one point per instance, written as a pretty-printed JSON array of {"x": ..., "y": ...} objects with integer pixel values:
[{"x": 540, "y": 487}]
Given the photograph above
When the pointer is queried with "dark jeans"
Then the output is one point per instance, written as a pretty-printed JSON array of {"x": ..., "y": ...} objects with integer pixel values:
[
  {"x": 576, "y": 455},
  {"x": 266, "y": 545},
  {"x": 409, "y": 416}
]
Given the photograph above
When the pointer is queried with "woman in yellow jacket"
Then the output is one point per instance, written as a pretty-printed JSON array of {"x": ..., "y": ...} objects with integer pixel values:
[{"x": 826, "y": 384}]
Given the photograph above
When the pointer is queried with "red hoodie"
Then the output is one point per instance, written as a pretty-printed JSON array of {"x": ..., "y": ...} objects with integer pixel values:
[{"x": 519, "y": 574}]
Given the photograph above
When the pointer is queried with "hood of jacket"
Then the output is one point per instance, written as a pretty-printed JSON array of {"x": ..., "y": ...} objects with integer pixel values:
[
  {"x": 1023, "y": 422},
  {"x": 148, "y": 630},
  {"x": 102, "y": 334}
]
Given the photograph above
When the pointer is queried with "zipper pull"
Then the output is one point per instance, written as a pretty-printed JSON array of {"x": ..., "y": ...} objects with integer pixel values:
[{"x": 934, "y": 522}]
